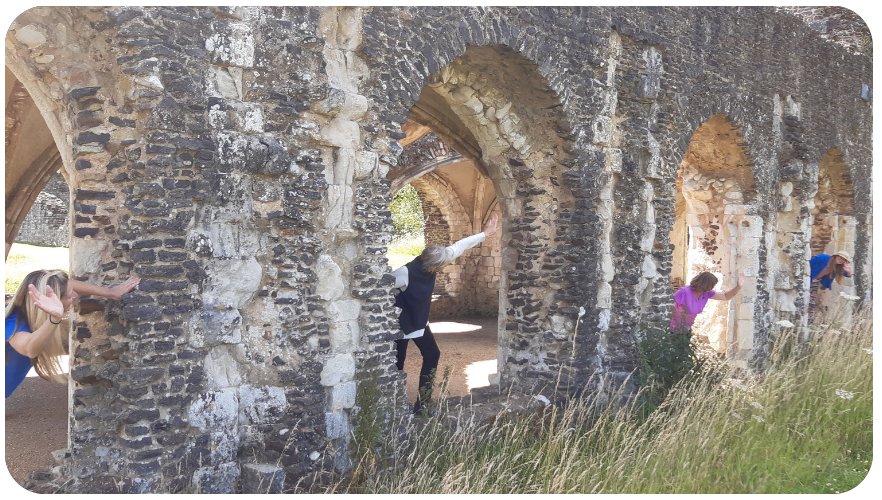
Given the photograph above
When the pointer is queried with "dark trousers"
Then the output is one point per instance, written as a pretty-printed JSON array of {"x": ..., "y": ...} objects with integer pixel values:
[{"x": 431, "y": 354}]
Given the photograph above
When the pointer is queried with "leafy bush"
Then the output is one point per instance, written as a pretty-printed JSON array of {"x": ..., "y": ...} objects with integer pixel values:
[
  {"x": 666, "y": 357},
  {"x": 407, "y": 213}
]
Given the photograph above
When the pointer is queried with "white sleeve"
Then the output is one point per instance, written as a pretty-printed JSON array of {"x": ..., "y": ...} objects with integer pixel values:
[
  {"x": 464, "y": 244},
  {"x": 401, "y": 279}
]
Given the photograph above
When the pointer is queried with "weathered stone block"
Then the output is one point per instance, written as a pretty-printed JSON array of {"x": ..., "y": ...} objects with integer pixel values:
[
  {"x": 215, "y": 328},
  {"x": 232, "y": 44},
  {"x": 261, "y": 405},
  {"x": 337, "y": 424},
  {"x": 330, "y": 284},
  {"x": 337, "y": 369},
  {"x": 231, "y": 283},
  {"x": 342, "y": 396},
  {"x": 262, "y": 478},
  {"x": 216, "y": 479}
]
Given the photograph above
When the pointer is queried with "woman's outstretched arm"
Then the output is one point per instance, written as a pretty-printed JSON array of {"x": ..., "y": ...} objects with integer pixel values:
[
  {"x": 115, "y": 293},
  {"x": 731, "y": 293}
]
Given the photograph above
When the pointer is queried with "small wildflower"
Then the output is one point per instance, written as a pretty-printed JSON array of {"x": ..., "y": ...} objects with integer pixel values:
[
  {"x": 757, "y": 405},
  {"x": 844, "y": 394},
  {"x": 736, "y": 416},
  {"x": 847, "y": 296},
  {"x": 758, "y": 418},
  {"x": 784, "y": 323}
]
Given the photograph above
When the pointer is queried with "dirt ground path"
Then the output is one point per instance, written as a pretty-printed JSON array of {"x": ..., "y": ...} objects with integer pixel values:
[
  {"x": 36, "y": 413},
  {"x": 468, "y": 347},
  {"x": 36, "y": 425}
]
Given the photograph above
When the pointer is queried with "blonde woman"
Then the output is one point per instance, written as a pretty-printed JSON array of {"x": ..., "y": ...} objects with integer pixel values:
[{"x": 34, "y": 318}]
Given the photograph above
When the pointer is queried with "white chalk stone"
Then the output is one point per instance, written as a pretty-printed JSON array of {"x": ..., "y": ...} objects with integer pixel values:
[
  {"x": 261, "y": 405},
  {"x": 149, "y": 81},
  {"x": 365, "y": 164},
  {"x": 222, "y": 369},
  {"x": 337, "y": 424},
  {"x": 231, "y": 282},
  {"x": 215, "y": 411},
  {"x": 342, "y": 396},
  {"x": 354, "y": 107},
  {"x": 330, "y": 279},
  {"x": 341, "y": 133},
  {"x": 338, "y": 368},
  {"x": 31, "y": 36},
  {"x": 604, "y": 295}
]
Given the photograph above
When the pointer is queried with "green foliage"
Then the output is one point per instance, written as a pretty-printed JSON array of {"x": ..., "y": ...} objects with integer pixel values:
[
  {"x": 407, "y": 213},
  {"x": 368, "y": 442},
  {"x": 666, "y": 357}
]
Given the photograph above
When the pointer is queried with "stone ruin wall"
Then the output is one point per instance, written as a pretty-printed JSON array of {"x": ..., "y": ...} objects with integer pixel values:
[
  {"x": 837, "y": 24},
  {"x": 236, "y": 158},
  {"x": 48, "y": 222}
]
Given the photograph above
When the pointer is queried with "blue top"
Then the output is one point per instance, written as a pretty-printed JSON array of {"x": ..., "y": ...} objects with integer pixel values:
[
  {"x": 818, "y": 263},
  {"x": 17, "y": 365},
  {"x": 416, "y": 300}
]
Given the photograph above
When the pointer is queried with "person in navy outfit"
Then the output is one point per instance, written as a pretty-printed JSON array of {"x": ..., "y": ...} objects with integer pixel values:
[{"x": 416, "y": 281}]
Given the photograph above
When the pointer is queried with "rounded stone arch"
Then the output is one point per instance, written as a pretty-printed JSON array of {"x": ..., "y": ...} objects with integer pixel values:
[
  {"x": 32, "y": 155},
  {"x": 833, "y": 213},
  {"x": 509, "y": 110},
  {"x": 717, "y": 229}
]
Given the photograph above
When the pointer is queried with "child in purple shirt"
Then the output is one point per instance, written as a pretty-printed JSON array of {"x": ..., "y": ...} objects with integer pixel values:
[{"x": 690, "y": 300}]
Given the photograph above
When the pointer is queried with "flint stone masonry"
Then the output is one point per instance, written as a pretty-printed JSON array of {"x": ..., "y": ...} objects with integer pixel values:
[
  {"x": 48, "y": 222},
  {"x": 240, "y": 160}
]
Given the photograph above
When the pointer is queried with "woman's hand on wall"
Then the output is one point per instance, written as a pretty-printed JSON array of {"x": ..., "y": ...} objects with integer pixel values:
[
  {"x": 491, "y": 225},
  {"x": 125, "y": 287}
]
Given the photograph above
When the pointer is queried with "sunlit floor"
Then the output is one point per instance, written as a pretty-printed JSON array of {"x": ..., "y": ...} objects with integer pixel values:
[{"x": 468, "y": 347}]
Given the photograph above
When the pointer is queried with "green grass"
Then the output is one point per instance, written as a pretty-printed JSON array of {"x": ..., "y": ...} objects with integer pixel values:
[
  {"x": 802, "y": 426},
  {"x": 23, "y": 259}
]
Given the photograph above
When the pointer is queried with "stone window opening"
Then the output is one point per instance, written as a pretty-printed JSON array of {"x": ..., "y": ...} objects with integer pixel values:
[{"x": 717, "y": 229}]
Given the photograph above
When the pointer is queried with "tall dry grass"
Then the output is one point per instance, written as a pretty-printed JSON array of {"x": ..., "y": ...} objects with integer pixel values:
[{"x": 788, "y": 429}]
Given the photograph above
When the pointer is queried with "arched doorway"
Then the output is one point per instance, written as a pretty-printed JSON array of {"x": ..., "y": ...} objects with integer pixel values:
[
  {"x": 718, "y": 229},
  {"x": 37, "y": 211},
  {"x": 456, "y": 201},
  {"x": 492, "y": 107},
  {"x": 833, "y": 223}
]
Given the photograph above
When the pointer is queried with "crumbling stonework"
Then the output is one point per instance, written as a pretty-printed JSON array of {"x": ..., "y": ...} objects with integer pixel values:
[
  {"x": 238, "y": 160},
  {"x": 48, "y": 221}
]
